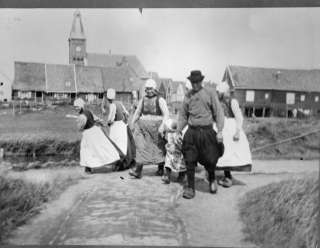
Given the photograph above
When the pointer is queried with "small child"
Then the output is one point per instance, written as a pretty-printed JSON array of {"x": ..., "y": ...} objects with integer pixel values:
[{"x": 174, "y": 159}]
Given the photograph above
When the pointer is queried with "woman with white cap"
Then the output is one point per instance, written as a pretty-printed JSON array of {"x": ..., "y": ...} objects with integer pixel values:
[
  {"x": 237, "y": 155},
  {"x": 96, "y": 150},
  {"x": 119, "y": 131},
  {"x": 150, "y": 115}
]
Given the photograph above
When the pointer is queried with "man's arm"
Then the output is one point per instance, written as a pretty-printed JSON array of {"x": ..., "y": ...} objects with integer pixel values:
[{"x": 183, "y": 116}]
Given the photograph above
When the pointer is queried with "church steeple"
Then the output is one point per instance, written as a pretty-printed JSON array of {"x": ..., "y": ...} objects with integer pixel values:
[{"x": 77, "y": 41}]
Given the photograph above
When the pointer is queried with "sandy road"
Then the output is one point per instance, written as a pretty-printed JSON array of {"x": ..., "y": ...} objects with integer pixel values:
[{"x": 112, "y": 209}]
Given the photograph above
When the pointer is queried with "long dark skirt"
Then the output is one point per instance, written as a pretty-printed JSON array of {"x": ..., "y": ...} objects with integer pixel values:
[{"x": 150, "y": 146}]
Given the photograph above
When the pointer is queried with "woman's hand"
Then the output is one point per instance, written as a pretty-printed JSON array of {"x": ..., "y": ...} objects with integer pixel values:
[
  {"x": 219, "y": 137},
  {"x": 161, "y": 130},
  {"x": 131, "y": 126}
]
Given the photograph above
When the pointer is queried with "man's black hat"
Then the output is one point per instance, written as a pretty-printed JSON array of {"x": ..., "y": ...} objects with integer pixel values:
[{"x": 196, "y": 76}]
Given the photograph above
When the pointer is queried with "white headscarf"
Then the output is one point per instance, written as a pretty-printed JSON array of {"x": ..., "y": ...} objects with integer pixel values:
[
  {"x": 79, "y": 103},
  {"x": 223, "y": 87},
  {"x": 150, "y": 83},
  {"x": 170, "y": 124},
  {"x": 111, "y": 94}
]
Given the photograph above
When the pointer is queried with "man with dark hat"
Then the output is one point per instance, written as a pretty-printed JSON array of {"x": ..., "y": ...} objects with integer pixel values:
[{"x": 201, "y": 108}]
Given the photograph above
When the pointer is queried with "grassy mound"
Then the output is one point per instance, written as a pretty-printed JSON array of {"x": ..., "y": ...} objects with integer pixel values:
[
  {"x": 283, "y": 214},
  {"x": 21, "y": 195},
  {"x": 265, "y": 131}
]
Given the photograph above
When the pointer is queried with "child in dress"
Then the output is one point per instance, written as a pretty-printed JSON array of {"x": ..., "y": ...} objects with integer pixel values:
[{"x": 174, "y": 159}]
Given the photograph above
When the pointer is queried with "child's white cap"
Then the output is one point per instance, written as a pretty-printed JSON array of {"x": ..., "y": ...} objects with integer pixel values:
[{"x": 170, "y": 124}]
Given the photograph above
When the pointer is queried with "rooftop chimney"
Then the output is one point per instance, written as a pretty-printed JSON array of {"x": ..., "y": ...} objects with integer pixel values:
[{"x": 277, "y": 76}]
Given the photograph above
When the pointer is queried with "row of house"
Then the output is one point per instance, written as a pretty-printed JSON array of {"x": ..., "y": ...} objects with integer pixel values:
[{"x": 41, "y": 82}]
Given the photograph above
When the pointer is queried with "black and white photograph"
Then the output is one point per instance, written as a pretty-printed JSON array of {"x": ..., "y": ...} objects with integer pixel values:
[{"x": 160, "y": 126}]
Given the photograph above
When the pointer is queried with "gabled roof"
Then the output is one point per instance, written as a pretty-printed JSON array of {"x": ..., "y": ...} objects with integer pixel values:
[
  {"x": 117, "y": 60},
  {"x": 273, "y": 78},
  {"x": 29, "y": 76},
  {"x": 77, "y": 30},
  {"x": 89, "y": 79},
  {"x": 60, "y": 78}
]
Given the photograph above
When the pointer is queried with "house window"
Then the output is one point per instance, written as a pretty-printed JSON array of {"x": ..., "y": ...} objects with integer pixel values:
[
  {"x": 302, "y": 98},
  {"x": 250, "y": 95},
  {"x": 290, "y": 98},
  {"x": 266, "y": 96},
  {"x": 24, "y": 94},
  {"x": 316, "y": 98},
  {"x": 60, "y": 95},
  {"x": 91, "y": 97}
]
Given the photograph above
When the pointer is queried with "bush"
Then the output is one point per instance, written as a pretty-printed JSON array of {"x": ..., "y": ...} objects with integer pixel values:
[{"x": 282, "y": 214}]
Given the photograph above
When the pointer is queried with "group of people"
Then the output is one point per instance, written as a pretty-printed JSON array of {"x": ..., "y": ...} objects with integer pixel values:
[{"x": 208, "y": 131}]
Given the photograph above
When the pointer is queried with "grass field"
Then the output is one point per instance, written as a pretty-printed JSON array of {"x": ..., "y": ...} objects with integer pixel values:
[
  {"x": 264, "y": 131},
  {"x": 49, "y": 132},
  {"x": 283, "y": 214}
]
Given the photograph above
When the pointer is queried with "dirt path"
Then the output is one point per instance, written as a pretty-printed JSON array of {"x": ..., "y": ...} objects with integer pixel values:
[{"x": 114, "y": 209}]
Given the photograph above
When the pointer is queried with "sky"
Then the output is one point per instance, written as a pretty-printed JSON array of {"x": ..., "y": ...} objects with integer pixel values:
[{"x": 168, "y": 41}]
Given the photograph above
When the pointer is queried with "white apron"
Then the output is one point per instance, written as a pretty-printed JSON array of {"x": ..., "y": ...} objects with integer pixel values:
[
  {"x": 118, "y": 134},
  {"x": 95, "y": 149},
  {"x": 236, "y": 153}
]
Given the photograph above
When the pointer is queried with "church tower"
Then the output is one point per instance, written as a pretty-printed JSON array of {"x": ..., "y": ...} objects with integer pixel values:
[{"x": 77, "y": 41}]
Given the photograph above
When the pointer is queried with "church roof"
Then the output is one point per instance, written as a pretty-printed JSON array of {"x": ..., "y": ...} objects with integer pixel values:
[
  {"x": 120, "y": 78},
  {"x": 60, "y": 78},
  {"x": 77, "y": 30},
  {"x": 89, "y": 79},
  {"x": 116, "y": 60}
]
